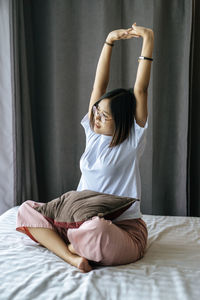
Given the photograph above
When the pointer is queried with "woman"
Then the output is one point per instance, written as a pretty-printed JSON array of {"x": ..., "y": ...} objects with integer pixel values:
[{"x": 115, "y": 129}]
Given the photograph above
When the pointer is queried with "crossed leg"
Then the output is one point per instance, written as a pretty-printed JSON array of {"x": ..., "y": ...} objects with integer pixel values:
[
  {"x": 52, "y": 241},
  {"x": 97, "y": 240},
  {"x": 102, "y": 241}
]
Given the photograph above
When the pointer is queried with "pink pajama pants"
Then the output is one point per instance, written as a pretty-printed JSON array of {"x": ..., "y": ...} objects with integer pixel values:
[{"x": 101, "y": 241}]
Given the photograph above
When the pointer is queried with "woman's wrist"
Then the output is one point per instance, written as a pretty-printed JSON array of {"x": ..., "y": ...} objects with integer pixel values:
[
  {"x": 110, "y": 40},
  {"x": 148, "y": 33}
]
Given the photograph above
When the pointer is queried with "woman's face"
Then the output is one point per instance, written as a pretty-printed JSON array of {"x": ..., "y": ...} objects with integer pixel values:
[{"x": 103, "y": 122}]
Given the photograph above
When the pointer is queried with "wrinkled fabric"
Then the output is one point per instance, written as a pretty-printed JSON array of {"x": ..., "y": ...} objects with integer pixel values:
[
  {"x": 99, "y": 240},
  {"x": 78, "y": 206},
  {"x": 106, "y": 243}
]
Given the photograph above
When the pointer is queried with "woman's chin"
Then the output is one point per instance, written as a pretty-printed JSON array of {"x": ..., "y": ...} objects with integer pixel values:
[
  {"x": 97, "y": 130},
  {"x": 100, "y": 130}
]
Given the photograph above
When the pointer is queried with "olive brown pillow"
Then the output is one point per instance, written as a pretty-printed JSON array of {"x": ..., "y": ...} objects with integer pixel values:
[{"x": 75, "y": 207}]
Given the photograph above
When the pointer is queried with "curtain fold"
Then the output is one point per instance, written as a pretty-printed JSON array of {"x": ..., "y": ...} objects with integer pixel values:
[
  {"x": 25, "y": 179},
  {"x": 193, "y": 207},
  {"x": 172, "y": 26},
  {"x": 55, "y": 49}
]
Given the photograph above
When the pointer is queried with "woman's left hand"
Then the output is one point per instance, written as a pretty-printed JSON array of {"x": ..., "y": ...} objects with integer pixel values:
[
  {"x": 121, "y": 34},
  {"x": 141, "y": 31}
]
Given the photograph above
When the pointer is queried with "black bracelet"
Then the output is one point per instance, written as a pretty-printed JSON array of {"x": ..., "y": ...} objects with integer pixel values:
[
  {"x": 109, "y": 44},
  {"x": 144, "y": 57}
]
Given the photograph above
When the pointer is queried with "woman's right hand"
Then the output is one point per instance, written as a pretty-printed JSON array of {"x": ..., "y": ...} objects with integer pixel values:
[{"x": 121, "y": 34}]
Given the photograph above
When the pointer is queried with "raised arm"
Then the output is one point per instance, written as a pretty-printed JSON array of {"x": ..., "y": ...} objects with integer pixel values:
[
  {"x": 102, "y": 73},
  {"x": 103, "y": 67},
  {"x": 143, "y": 74}
]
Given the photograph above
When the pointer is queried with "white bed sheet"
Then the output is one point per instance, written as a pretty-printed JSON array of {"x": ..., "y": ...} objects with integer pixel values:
[{"x": 170, "y": 268}]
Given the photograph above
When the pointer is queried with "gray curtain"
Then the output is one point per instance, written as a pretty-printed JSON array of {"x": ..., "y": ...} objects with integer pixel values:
[
  {"x": 172, "y": 24},
  {"x": 193, "y": 203},
  {"x": 25, "y": 181},
  {"x": 56, "y": 46}
]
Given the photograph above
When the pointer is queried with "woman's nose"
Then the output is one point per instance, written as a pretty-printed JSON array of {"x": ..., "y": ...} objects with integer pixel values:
[{"x": 98, "y": 117}]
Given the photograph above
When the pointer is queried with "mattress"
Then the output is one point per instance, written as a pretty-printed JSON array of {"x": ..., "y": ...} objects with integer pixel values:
[{"x": 170, "y": 268}]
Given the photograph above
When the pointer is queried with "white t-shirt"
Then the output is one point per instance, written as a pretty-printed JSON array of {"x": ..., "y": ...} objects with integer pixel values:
[{"x": 113, "y": 170}]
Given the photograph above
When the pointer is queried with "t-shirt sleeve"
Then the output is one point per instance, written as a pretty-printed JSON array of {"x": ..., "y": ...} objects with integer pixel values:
[
  {"x": 138, "y": 135},
  {"x": 140, "y": 132},
  {"x": 85, "y": 122}
]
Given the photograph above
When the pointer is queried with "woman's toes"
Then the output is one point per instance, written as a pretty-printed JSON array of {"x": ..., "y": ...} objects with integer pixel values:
[{"x": 84, "y": 265}]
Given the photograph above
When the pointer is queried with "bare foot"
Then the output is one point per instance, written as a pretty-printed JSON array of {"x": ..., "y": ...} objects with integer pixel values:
[
  {"x": 83, "y": 264},
  {"x": 80, "y": 262}
]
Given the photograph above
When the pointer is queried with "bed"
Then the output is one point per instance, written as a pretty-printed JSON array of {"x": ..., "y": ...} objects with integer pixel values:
[{"x": 170, "y": 268}]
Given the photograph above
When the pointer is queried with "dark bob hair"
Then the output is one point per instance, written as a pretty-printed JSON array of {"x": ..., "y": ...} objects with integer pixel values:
[{"x": 122, "y": 107}]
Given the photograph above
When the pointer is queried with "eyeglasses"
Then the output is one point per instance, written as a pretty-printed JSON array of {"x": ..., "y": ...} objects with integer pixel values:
[{"x": 102, "y": 117}]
